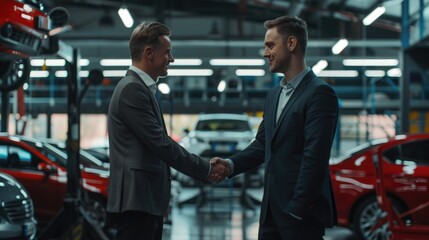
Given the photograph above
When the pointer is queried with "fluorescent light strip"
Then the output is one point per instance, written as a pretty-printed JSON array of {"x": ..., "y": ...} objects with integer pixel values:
[
  {"x": 187, "y": 62},
  {"x": 55, "y": 62},
  {"x": 250, "y": 72},
  {"x": 114, "y": 73},
  {"x": 115, "y": 62},
  {"x": 375, "y": 73},
  {"x": 338, "y": 73},
  {"x": 49, "y": 62},
  {"x": 370, "y": 62},
  {"x": 84, "y": 62},
  {"x": 41, "y": 74},
  {"x": 126, "y": 17},
  {"x": 319, "y": 66},
  {"x": 237, "y": 62},
  {"x": 394, "y": 72},
  {"x": 63, "y": 73},
  {"x": 190, "y": 72},
  {"x": 339, "y": 46},
  {"x": 373, "y": 15}
]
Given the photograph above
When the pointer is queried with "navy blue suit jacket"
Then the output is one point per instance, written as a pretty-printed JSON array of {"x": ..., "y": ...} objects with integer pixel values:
[{"x": 296, "y": 152}]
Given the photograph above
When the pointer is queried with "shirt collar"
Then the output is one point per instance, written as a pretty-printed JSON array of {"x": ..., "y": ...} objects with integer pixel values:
[
  {"x": 148, "y": 81},
  {"x": 295, "y": 80}
]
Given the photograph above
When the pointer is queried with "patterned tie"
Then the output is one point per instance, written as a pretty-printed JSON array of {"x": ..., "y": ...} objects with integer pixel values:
[{"x": 289, "y": 89}]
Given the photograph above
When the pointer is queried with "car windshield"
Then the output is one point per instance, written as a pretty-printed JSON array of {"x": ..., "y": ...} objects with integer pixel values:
[{"x": 222, "y": 125}]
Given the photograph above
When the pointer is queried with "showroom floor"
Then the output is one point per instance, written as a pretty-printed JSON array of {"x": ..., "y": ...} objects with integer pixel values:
[{"x": 224, "y": 219}]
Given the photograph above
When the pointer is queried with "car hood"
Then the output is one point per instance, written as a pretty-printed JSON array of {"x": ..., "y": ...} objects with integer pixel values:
[{"x": 10, "y": 189}]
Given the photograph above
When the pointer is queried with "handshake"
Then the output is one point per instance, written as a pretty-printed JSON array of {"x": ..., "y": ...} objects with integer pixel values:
[{"x": 220, "y": 170}]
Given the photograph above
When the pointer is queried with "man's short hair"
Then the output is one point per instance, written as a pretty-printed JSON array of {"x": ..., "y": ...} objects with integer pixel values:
[
  {"x": 146, "y": 34},
  {"x": 290, "y": 26}
]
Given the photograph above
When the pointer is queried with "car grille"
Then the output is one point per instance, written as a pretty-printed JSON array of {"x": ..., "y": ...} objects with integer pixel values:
[
  {"x": 18, "y": 211},
  {"x": 25, "y": 38}
]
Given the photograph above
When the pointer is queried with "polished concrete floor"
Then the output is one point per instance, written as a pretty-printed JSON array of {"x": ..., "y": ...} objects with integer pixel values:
[{"x": 223, "y": 217}]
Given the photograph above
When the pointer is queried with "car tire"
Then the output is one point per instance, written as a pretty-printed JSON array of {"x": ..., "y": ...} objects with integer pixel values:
[{"x": 367, "y": 214}]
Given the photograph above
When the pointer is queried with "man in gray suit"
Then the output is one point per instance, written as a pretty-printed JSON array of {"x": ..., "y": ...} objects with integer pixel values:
[
  {"x": 141, "y": 152},
  {"x": 294, "y": 141}
]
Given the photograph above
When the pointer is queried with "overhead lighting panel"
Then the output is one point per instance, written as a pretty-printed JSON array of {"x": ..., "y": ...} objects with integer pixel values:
[
  {"x": 237, "y": 62},
  {"x": 339, "y": 46},
  {"x": 370, "y": 62},
  {"x": 126, "y": 17},
  {"x": 373, "y": 15}
]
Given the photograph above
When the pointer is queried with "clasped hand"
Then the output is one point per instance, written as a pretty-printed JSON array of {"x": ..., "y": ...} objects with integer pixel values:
[{"x": 219, "y": 170}]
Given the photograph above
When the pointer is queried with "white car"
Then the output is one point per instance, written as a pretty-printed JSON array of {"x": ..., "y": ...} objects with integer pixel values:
[{"x": 218, "y": 134}]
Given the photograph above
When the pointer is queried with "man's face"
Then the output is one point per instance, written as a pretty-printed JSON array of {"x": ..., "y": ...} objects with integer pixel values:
[
  {"x": 162, "y": 57},
  {"x": 276, "y": 51}
]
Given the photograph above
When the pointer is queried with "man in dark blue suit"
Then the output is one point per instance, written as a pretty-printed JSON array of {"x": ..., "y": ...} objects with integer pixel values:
[{"x": 294, "y": 141}]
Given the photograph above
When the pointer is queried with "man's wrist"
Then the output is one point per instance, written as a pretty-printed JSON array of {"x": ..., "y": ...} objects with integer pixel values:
[{"x": 230, "y": 165}]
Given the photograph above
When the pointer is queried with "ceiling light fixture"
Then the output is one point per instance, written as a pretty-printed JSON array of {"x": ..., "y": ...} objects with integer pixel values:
[
  {"x": 126, "y": 17},
  {"x": 237, "y": 62},
  {"x": 190, "y": 72},
  {"x": 373, "y": 15},
  {"x": 187, "y": 62},
  {"x": 319, "y": 66},
  {"x": 339, "y": 46},
  {"x": 370, "y": 62},
  {"x": 115, "y": 62},
  {"x": 375, "y": 73},
  {"x": 250, "y": 72},
  {"x": 338, "y": 73}
]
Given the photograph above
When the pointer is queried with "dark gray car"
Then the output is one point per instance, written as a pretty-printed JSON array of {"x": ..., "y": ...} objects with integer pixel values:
[{"x": 16, "y": 210}]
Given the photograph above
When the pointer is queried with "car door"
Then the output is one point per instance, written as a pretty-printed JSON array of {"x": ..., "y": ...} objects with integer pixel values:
[
  {"x": 22, "y": 163},
  {"x": 409, "y": 175}
]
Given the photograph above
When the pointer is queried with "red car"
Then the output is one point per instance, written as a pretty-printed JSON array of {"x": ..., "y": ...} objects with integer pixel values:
[
  {"x": 41, "y": 168},
  {"x": 406, "y": 162},
  {"x": 23, "y": 26}
]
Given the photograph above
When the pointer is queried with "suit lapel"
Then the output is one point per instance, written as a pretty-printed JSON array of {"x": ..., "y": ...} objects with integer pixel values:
[
  {"x": 292, "y": 100},
  {"x": 155, "y": 104}
]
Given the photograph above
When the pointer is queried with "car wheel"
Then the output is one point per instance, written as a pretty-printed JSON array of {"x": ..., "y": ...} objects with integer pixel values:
[
  {"x": 367, "y": 215},
  {"x": 97, "y": 210}
]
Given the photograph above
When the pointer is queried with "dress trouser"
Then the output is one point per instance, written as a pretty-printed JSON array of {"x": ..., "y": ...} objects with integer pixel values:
[
  {"x": 290, "y": 228},
  {"x": 137, "y": 225}
]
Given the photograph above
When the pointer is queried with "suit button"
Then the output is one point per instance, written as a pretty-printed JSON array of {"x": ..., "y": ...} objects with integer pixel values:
[{"x": 169, "y": 178}]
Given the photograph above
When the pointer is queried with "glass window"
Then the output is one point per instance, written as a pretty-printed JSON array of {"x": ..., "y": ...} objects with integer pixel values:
[
  {"x": 3, "y": 156},
  {"x": 411, "y": 152},
  {"x": 223, "y": 125}
]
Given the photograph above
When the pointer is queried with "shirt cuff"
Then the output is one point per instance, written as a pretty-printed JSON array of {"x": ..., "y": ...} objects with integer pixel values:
[{"x": 230, "y": 165}]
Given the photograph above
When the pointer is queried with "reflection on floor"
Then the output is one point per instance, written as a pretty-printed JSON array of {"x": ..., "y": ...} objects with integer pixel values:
[{"x": 223, "y": 218}]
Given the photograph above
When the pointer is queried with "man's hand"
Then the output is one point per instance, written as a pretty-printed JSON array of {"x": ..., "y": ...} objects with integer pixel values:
[{"x": 220, "y": 170}]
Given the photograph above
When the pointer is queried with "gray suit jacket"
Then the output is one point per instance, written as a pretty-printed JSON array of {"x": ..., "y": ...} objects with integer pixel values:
[
  {"x": 141, "y": 152},
  {"x": 296, "y": 152}
]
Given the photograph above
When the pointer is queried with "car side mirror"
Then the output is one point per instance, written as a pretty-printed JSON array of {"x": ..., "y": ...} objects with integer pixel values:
[{"x": 46, "y": 168}]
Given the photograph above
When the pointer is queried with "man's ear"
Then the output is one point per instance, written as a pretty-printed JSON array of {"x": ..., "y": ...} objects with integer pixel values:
[
  {"x": 292, "y": 43},
  {"x": 148, "y": 53}
]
